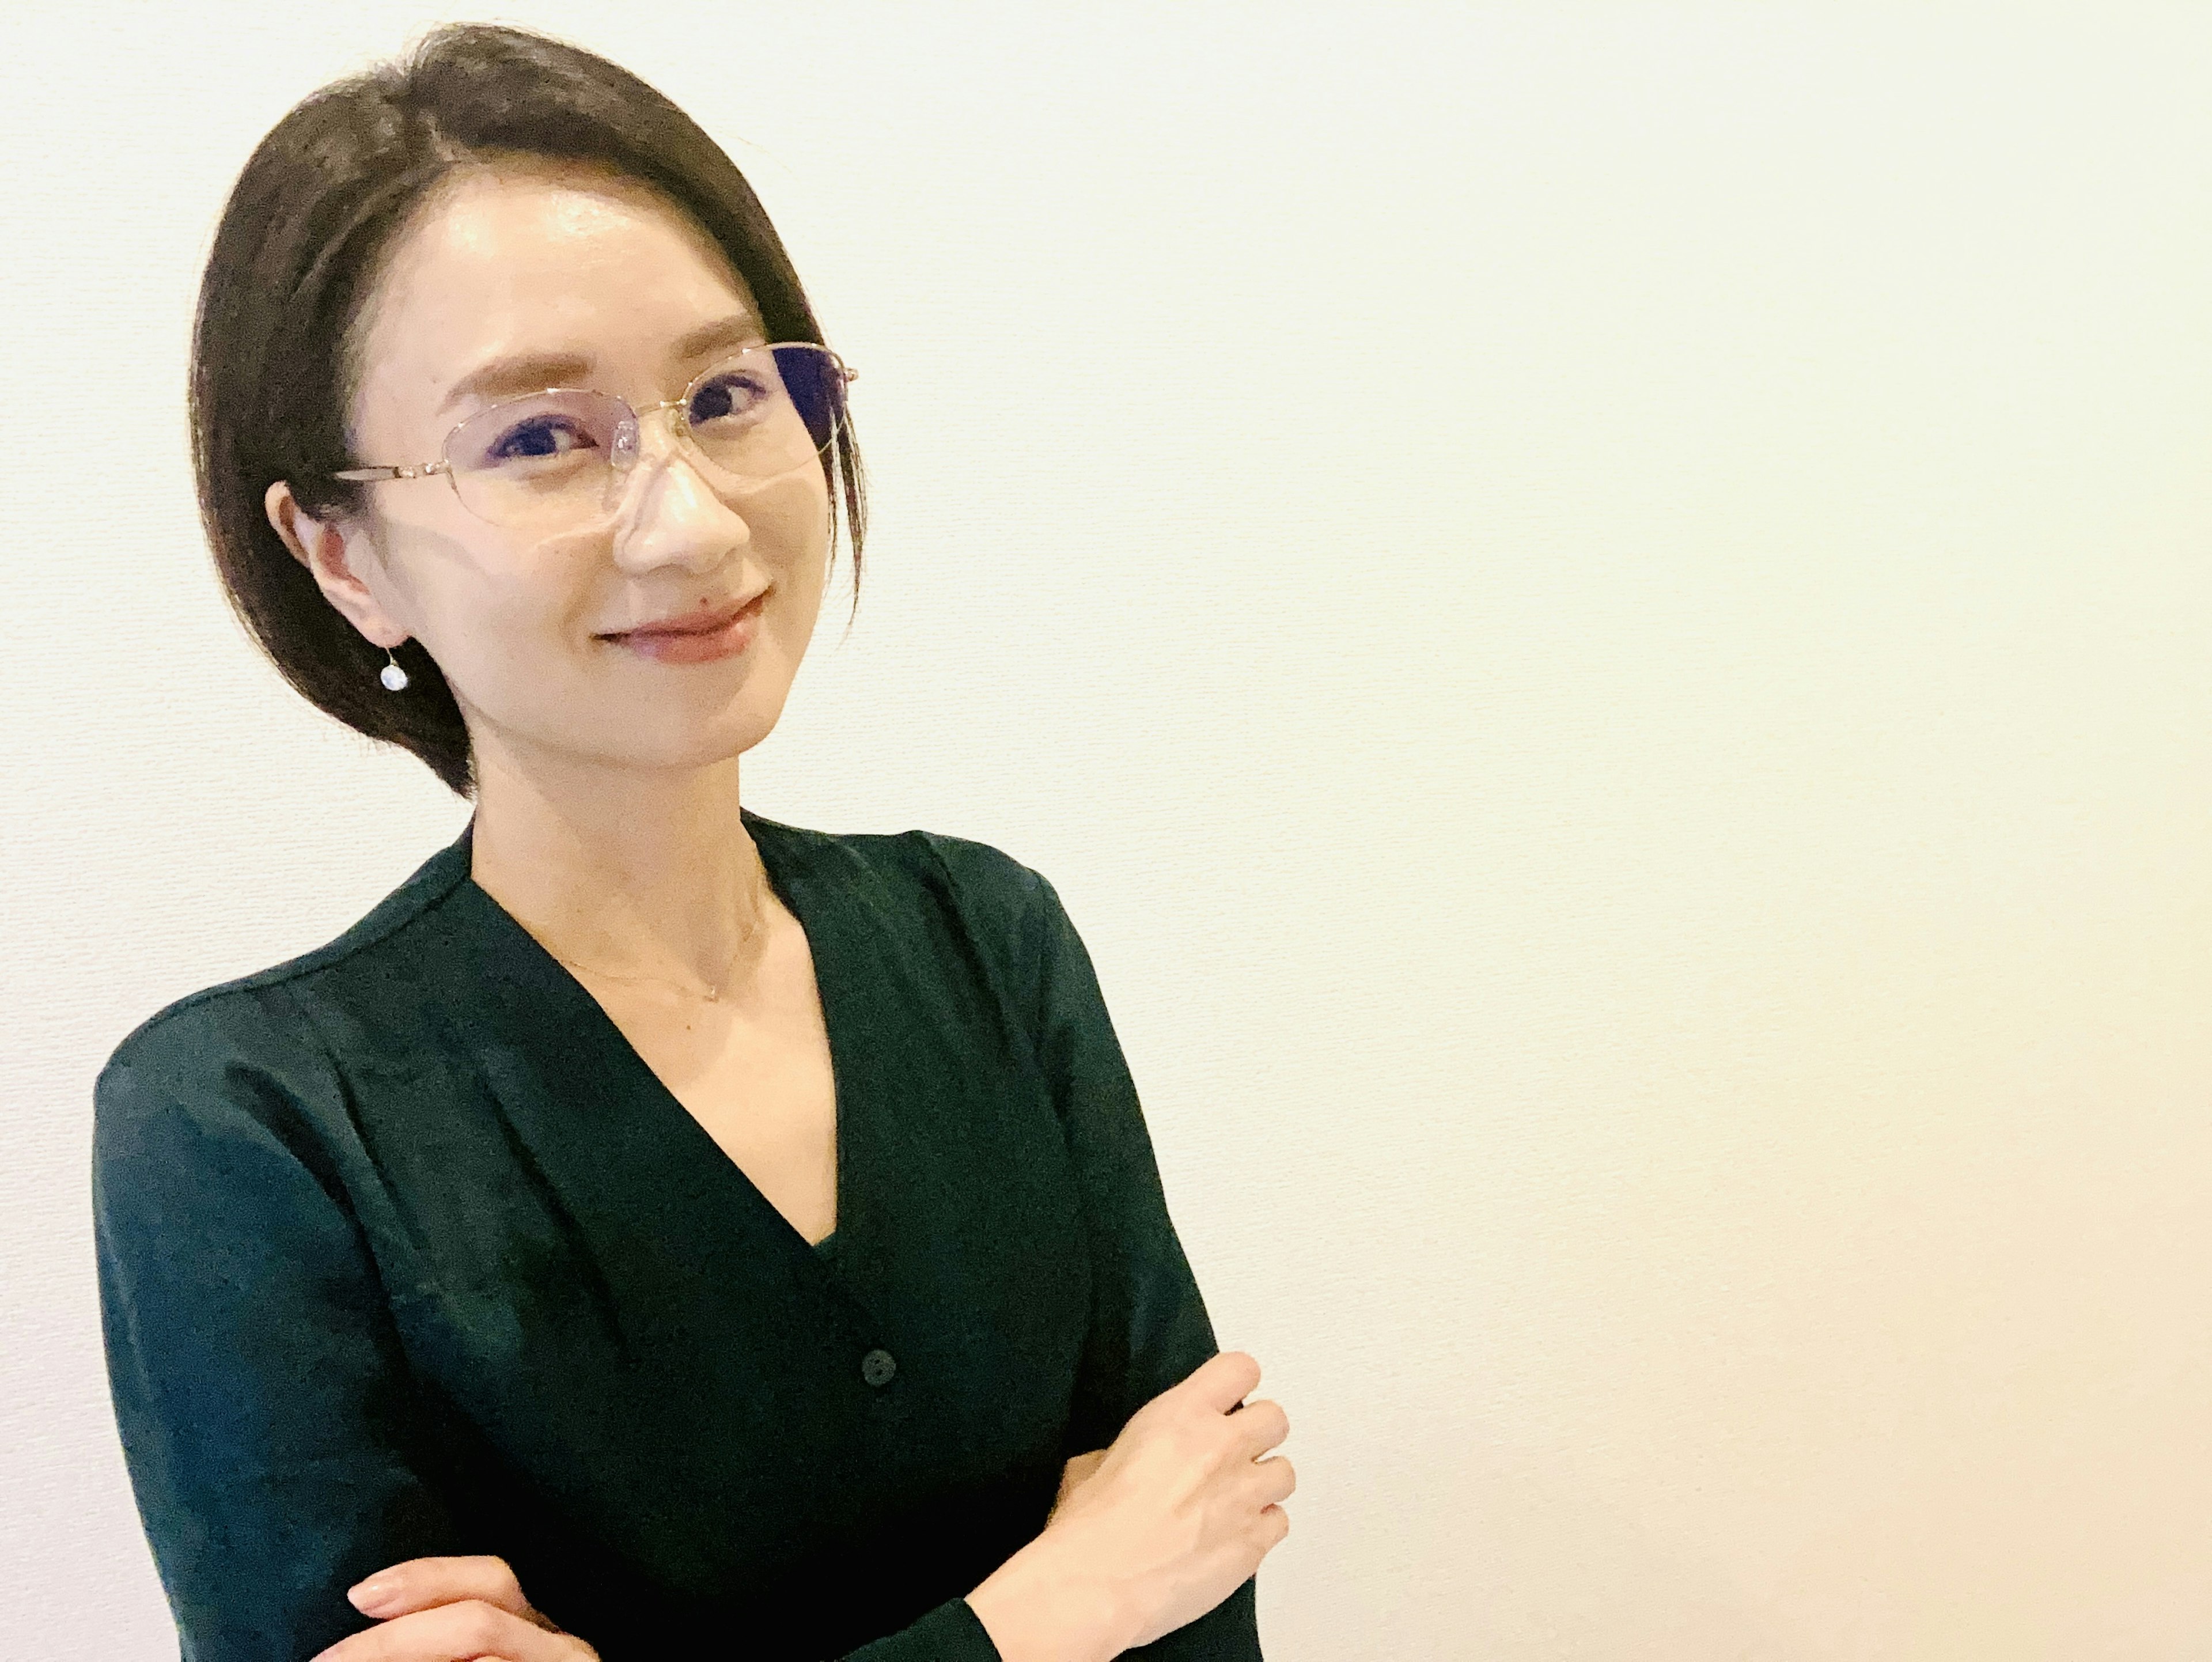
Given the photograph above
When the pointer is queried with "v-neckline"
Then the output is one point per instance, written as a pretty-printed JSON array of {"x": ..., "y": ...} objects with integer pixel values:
[{"x": 785, "y": 879}]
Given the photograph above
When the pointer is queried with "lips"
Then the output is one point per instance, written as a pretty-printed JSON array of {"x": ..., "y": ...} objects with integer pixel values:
[{"x": 702, "y": 623}]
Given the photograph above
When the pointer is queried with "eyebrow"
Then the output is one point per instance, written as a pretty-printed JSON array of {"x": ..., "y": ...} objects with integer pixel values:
[{"x": 522, "y": 373}]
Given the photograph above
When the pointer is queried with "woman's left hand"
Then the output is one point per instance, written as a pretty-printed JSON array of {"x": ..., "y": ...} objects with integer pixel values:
[
  {"x": 452, "y": 1609},
  {"x": 1071, "y": 1478}
]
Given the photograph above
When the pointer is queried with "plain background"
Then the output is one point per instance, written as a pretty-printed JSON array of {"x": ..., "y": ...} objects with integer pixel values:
[{"x": 1602, "y": 614}]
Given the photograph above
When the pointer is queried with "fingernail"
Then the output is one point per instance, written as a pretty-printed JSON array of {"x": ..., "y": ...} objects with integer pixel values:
[{"x": 367, "y": 1595}]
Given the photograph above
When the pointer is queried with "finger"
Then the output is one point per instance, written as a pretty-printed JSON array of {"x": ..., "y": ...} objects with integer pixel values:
[
  {"x": 1223, "y": 1381},
  {"x": 1278, "y": 1478},
  {"x": 420, "y": 1583},
  {"x": 1280, "y": 1521},
  {"x": 1260, "y": 1425},
  {"x": 469, "y": 1631}
]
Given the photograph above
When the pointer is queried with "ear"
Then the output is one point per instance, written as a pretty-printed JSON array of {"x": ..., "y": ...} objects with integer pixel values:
[{"x": 331, "y": 548}]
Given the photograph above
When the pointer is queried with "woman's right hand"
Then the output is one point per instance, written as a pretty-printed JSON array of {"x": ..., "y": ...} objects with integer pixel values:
[
  {"x": 1180, "y": 1511},
  {"x": 468, "y": 1608}
]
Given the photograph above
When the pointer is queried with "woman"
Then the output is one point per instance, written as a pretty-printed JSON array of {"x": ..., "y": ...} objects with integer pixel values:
[{"x": 652, "y": 1230}]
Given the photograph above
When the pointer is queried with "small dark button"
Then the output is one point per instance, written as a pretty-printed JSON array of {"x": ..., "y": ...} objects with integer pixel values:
[{"x": 878, "y": 1367}]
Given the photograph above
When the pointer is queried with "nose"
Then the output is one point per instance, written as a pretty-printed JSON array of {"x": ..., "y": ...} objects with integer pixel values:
[{"x": 670, "y": 513}]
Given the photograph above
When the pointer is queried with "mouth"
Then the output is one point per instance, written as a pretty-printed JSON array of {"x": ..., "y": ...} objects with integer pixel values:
[
  {"x": 713, "y": 634},
  {"x": 704, "y": 623}
]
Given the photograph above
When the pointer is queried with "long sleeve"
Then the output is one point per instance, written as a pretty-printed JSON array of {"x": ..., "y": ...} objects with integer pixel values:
[
  {"x": 256, "y": 1378},
  {"x": 267, "y": 1414},
  {"x": 951, "y": 1633},
  {"x": 1149, "y": 1328}
]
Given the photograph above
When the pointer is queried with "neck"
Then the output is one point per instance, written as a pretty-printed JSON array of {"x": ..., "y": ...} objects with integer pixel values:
[{"x": 661, "y": 883}]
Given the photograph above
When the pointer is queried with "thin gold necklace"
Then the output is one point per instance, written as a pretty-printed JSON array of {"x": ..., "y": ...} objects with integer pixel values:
[{"x": 714, "y": 992}]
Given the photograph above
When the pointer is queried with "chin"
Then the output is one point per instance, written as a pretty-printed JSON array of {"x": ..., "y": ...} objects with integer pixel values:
[{"x": 732, "y": 730}]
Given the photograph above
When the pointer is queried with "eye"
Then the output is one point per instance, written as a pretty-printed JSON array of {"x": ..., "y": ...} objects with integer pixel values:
[
  {"x": 732, "y": 395},
  {"x": 538, "y": 436}
]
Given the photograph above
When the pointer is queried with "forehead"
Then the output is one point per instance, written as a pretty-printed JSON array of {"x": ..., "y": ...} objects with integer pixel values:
[{"x": 529, "y": 258}]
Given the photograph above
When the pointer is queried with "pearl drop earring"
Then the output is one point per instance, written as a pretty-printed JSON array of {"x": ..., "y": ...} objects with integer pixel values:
[{"x": 392, "y": 675}]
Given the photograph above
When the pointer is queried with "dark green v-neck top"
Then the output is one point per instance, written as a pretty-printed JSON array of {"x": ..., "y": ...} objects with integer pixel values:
[{"x": 404, "y": 1250}]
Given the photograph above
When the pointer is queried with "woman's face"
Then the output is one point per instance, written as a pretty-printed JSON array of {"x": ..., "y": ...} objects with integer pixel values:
[{"x": 596, "y": 284}]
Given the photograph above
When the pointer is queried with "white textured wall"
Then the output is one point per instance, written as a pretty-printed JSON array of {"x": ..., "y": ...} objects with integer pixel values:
[{"x": 1634, "y": 747}]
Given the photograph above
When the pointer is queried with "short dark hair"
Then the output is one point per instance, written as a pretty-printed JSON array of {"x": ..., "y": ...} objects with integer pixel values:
[{"x": 296, "y": 255}]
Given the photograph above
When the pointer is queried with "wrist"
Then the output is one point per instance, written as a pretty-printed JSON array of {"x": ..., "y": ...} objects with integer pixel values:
[{"x": 1040, "y": 1606}]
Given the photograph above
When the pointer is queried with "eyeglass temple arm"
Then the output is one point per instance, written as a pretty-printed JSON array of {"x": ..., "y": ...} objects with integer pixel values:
[{"x": 370, "y": 473}]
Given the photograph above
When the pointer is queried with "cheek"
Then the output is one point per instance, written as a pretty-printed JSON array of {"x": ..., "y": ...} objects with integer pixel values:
[
  {"x": 504, "y": 638},
  {"x": 792, "y": 518},
  {"x": 790, "y": 541}
]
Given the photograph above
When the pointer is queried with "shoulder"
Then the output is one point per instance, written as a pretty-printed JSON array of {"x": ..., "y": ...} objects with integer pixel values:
[
  {"x": 983, "y": 882},
  {"x": 238, "y": 1033},
  {"x": 939, "y": 902}
]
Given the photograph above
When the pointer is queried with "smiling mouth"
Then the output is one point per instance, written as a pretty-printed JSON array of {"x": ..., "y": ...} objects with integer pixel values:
[
  {"x": 730, "y": 640},
  {"x": 712, "y": 624}
]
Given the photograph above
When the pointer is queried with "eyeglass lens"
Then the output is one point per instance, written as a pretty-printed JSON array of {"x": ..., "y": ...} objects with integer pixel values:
[{"x": 559, "y": 458}]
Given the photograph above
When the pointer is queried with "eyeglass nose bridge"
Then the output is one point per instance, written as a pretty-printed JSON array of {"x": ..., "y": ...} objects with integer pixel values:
[{"x": 627, "y": 447}]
